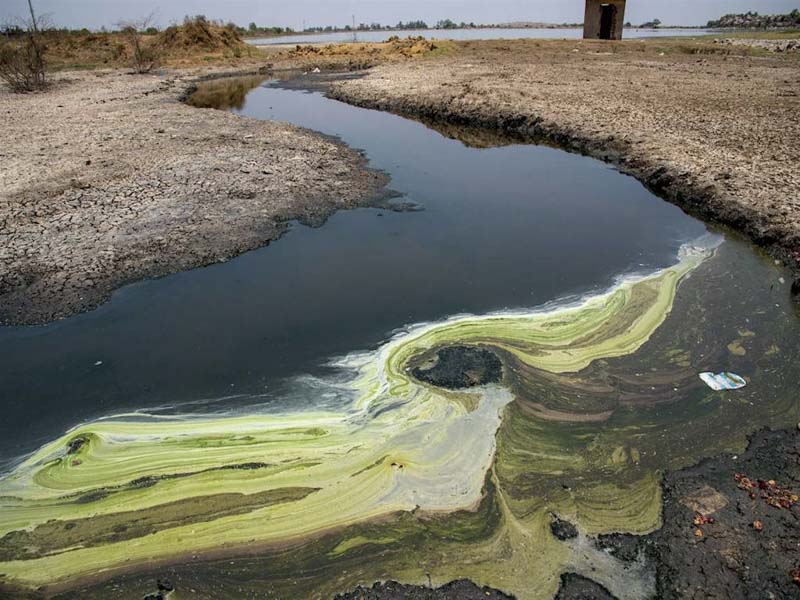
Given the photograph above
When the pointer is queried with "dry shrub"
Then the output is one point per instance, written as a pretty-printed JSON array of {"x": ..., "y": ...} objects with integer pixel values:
[
  {"x": 22, "y": 65},
  {"x": 144, "y": 56}
]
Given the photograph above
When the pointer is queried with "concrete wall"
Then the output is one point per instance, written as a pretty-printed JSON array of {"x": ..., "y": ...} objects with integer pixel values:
[{"x": 593, "y": 18}]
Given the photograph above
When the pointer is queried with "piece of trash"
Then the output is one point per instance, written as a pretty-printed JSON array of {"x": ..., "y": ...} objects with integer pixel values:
[
  {"x": 98, "y": 363},
  {"x": 723, "y": 381},
  {"x": 316, "y": 70},
  {"x": 758, "y": 525}
]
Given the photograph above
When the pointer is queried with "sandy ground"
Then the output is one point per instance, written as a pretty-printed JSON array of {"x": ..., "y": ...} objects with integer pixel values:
[
  {"x": 108, "y": 178},
  {"x": 712, "y": 128}
]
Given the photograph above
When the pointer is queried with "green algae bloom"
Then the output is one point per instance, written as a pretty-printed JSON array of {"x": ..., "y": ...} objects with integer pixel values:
[{"x": 468, "y": 476}]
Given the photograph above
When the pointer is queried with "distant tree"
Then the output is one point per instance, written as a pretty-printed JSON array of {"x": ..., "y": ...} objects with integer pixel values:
[
  {"x": 253, "y": 28},
  {"x": 446, "y": 24},
  {"x": 412, "y": 25}
]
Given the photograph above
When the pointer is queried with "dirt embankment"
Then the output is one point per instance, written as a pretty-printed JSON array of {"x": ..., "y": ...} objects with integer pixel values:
[
  {"x": 108, "y": 178},
  {"x": 712, "y": 128},
  {"x": 195, "y": 42}
]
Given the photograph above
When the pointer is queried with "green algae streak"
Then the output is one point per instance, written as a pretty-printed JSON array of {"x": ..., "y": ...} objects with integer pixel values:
[
  {"x": 468, "y": 478},
  {"x": 399, "y": 446}
]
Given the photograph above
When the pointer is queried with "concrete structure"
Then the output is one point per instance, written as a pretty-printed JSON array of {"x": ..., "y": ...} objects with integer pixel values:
[{"x": 604, "y": 19}]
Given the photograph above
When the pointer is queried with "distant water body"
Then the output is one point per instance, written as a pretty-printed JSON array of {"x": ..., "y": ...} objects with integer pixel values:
[{"x": 464, "y": 34}]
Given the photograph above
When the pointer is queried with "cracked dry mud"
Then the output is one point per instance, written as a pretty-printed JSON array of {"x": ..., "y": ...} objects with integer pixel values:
[
  {"x": 714, "y": 132},
  {"x": 108, "y": 178}
]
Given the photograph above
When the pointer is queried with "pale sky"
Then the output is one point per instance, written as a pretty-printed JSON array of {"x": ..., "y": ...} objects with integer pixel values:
[{"x": 291, "y": 13}]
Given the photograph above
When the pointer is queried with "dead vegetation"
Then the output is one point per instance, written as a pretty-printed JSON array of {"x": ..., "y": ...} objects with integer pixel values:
[
  {"x": 364, "y": 55},
  {"x": 197, "y": 41},
  {"x": 22, "y": 64},
  {"x": 22, "y": 67},
  {"x": 143, "y": 56}
]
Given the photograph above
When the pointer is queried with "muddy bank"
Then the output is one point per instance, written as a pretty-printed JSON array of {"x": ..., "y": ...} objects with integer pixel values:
[
  {"x": 731, "y": 525},
  {"x": 727, "y": 537},
  {"x": 108, "y": 178},
  {"x": 713, "y": 131}
]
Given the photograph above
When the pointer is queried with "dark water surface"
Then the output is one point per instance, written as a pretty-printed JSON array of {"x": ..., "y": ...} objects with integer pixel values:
[{"x": 511, "y": 226}]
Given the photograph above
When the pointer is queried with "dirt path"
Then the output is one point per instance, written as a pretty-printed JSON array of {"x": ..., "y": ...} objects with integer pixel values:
[
  {"x": 108, "y": 178},
  {"x": 714, "y": 129}
]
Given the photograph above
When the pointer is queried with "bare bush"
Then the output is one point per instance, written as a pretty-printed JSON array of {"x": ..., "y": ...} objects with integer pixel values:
[
  {"x": 22, "y": 64},
  {"x": 144, "y": 57}
]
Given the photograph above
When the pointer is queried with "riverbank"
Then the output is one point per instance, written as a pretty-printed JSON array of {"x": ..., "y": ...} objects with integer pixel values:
[
  {"x": 712, "y": 128},
  {"x": 109, "y": 178}
]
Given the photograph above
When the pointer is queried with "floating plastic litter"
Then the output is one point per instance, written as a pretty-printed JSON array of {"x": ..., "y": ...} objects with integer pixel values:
[{"x": 723, "y": 381}]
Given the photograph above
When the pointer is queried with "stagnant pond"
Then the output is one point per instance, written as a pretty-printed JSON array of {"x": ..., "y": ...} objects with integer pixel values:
[{"x": 307, "y": 386}]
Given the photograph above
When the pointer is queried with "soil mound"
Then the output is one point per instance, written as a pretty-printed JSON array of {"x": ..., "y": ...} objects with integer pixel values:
[
  {"x": 394, "y": 48},
  {"x": 199, "y": 34}
]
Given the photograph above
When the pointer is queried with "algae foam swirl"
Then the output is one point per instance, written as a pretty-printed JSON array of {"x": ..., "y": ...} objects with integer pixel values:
[{"x": 124, "y": 491}]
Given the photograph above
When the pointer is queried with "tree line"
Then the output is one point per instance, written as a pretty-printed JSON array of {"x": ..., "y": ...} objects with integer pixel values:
[{"x": 753, "y": 20}]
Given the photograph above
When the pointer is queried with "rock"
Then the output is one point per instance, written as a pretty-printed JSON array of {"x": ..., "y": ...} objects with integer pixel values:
[
  {"x": 562, "y": 530},
  {"x": 622, "y": 546},
  {"x": 455, "y": 590},
  {"x": 578, "y": 587},
  {"x": 458, "y": 367},
  {"x": 76, "y": 444},
  {"x": 796, "y": 288}
]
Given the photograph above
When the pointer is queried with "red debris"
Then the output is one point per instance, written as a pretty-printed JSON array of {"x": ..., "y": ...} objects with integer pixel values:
[{"x": 773, "y": 494}]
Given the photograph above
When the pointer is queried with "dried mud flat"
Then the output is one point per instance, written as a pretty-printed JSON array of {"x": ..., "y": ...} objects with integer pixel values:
[
  {"x": 709, "y": 129},
  {"x": 109, "y": 178}
]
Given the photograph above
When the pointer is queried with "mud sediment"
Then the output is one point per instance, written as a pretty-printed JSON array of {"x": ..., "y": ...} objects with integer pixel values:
[
  {"x": 721, "y": 540},
  {"x": 455, "y": 590},
  {"x": 724, "y": 537}
]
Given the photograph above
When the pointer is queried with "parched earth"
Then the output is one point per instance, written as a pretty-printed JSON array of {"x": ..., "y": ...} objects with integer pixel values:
[
  {"x": 109, "y": 178},
  {"x": 713, "y": 128}
]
